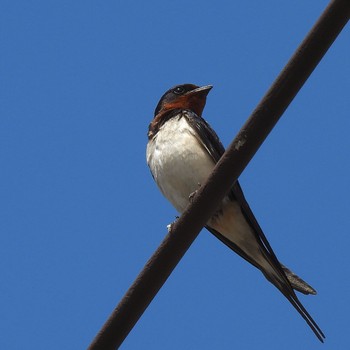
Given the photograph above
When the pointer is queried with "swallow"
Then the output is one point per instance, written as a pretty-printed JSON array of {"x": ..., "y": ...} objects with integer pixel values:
[{"x": 182, "y": 151}]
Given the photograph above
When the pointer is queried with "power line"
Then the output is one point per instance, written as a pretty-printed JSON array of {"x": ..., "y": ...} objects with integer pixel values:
[{"x": 237, "y": 156}]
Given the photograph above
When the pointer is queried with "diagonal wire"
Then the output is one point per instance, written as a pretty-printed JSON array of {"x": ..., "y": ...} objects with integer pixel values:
[{"x": 227, "y": 170}]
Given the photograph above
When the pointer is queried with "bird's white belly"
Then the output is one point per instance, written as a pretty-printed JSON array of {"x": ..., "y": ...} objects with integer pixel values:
[{"x": 178, "y": 162}]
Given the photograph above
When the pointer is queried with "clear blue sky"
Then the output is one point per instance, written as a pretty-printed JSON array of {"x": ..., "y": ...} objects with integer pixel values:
[{"x": 80, "y": 214}]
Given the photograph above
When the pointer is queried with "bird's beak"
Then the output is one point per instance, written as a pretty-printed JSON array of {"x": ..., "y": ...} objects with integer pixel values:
[{"x": 203, "y": 89}]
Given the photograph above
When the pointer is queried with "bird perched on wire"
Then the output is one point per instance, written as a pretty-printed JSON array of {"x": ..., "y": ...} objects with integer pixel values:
[{"x": 182, "y": 151}]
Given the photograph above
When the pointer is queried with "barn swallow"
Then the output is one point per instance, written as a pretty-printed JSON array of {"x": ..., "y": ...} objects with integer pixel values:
[{"x": 182, "y": 151}]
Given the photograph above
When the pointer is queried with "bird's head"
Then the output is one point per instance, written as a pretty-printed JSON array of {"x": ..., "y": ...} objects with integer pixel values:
[{"x": 185, "y": 96}]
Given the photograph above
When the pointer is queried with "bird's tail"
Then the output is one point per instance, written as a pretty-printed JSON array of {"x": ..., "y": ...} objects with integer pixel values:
[
  {"x": 286, "y": 281},
  {"x": 297, "y": 283}
]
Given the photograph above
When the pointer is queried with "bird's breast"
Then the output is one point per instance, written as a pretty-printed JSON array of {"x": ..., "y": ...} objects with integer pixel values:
[{"x": 178, "y": 161}]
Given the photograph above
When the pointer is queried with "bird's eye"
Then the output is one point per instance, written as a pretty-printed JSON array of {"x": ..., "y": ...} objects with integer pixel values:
[{"x": 179, "y": 90}]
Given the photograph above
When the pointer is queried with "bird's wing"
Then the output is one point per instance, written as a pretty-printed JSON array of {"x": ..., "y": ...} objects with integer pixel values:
[
  {"x": 210, "y": 141},
  {"x": 206, "y": 136}
]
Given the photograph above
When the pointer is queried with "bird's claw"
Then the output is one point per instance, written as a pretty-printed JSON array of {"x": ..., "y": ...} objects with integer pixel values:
[
  {"x": 191, "y": 196},
  {"x": 170, "y": 226}
]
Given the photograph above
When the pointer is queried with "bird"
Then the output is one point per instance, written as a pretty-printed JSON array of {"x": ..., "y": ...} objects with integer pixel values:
[{"x": 181, "y": 152}]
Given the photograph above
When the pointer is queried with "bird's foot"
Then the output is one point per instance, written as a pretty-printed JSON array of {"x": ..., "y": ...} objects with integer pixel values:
[
  {"x": 170, "y": 226},
  {"x": 192, "y": 195}
]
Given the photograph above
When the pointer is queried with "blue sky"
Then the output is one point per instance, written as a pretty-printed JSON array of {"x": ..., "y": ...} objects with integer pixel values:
[{"x": 80, "y": 214}]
